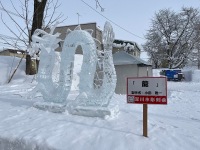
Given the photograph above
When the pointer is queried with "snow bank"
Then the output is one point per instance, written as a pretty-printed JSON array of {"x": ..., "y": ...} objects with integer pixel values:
[
  {"x": 156, "y": 72},
  {"x": 7, "y": 65},
  {"x": 196, "y": 76},
  {"x": 22, "y": 144},
  {"x": 76, "y": 72}
]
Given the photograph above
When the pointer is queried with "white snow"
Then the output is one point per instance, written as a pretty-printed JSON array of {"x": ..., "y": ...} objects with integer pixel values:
[
  {"x": 7, "y": 66},
  {"x": 119, "y": 45},
  {"x": 175, "y": 126},
  {"x": 196, "y": 76}
]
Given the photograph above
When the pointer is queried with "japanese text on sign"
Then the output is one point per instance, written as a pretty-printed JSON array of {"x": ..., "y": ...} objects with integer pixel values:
[{"x": 147, "y": 90}]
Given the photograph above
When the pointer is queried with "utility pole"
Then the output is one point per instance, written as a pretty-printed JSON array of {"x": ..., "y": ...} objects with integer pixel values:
[{"x": 78, "y": 17}]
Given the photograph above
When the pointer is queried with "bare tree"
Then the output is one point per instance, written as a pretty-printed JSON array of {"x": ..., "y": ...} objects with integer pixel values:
[
  {"x": 42, "y": 17},
  {"x": 154, "y": 48},
  {"x": 44, "y": 11},
  {"x": 177, "y": 36},
  {"x": 194, "y": 57}
]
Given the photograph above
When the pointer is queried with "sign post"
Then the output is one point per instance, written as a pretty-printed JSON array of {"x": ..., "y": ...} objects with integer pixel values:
[
  {"x": 146, "y": 90},
  {"x": 145, "y": 115},
  {"x": 145, "y": 120}
]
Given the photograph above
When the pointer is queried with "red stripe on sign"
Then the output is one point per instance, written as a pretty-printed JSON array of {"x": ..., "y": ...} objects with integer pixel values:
[{"x": 147, "y": 99}]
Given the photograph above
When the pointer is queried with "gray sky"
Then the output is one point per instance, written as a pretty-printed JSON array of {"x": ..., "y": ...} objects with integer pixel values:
[{"x": 133, "y": 16}]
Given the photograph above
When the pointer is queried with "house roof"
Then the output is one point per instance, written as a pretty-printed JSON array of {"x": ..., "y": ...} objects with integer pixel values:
[
  {"x": 13, "y": 50},
  {"x": 89, "y": 23},
  {"x": 118, "y": 41},
  {"x": 123, "y": 58}
]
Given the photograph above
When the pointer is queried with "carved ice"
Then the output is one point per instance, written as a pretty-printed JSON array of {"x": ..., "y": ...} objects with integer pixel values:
[{"x": 95, "y": 91}]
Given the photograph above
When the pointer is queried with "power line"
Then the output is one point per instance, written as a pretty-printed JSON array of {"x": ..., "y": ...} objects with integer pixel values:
[{"x": 112, "y": 21}]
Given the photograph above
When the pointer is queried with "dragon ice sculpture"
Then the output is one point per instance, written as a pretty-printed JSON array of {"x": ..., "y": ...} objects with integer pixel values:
[{"x": 89, "y": 94}]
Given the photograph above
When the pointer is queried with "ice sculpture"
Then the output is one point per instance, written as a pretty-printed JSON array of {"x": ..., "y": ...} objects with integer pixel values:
[{"x": 92, "y": 100}]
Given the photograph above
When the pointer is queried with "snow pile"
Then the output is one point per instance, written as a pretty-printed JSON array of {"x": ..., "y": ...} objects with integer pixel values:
[
  {"x": 76, "y": 72},
  {"x": 196, "y": 76},
  {"x": 126, "y": 45},
  {"x": 7, "y": 65},
  {"x": 119, "y": 45},
  {"x": 129, "y": 47},
  {"x": 156, "y": 72}
]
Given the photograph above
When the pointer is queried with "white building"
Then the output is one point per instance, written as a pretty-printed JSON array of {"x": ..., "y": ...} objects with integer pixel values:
[{"x": 127, "y": 65}]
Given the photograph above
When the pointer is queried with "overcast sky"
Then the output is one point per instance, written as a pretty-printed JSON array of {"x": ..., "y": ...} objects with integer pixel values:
[{"x": 132, "y": 15}]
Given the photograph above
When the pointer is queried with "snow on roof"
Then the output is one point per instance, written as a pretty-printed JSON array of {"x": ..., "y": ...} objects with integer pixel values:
[
  {"x": 124, "y": 43},
  {"x": 123, "y": 58},
  {"x": 71, "y": 25},
  {"x": 118, "y": 41}
]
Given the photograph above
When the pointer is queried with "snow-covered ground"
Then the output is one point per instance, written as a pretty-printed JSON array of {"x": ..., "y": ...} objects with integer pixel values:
[{"x": 175, "y": 126}]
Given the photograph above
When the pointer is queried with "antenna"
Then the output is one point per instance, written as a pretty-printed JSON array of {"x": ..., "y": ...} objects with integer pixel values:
[{"x": 78, "y": 17}]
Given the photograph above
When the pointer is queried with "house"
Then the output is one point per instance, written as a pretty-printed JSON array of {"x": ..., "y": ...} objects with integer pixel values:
[
  {"x": 12, "y": 52},
  {"x": 118, "y": 45},
  {"x": 127, "y": 65},
  {"x": 97, "y": 34},
  {"x": 31, "y": 64}
]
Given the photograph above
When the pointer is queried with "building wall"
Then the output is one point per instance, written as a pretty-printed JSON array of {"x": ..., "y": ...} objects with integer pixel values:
[
  {"x": 137, "y": 53},
  {"x": 124, "y": 71},
  {"x": 115, "y": 49},
  {"x": 5, "y": 53},
  {"x": 145, "y": 71},
  {"x": 97, "y": 34},
  {"x": 92, "y": 26},
  {"x": 8, "y": 53}
]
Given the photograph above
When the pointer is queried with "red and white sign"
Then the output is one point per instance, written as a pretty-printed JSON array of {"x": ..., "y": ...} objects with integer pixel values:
[{"x": 147, "y": 90}]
